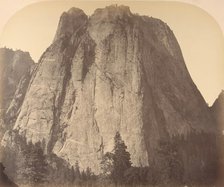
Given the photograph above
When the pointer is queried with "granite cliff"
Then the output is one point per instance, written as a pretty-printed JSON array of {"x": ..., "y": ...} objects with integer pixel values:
[
  {"x": 217, "y": 110},
  {"x": 15, "y": 71},
  {"x": 115, "y": 71}
]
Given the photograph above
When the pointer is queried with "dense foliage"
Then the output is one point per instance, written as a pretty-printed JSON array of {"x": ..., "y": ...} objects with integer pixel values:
[{"x": 32, "y": 165}]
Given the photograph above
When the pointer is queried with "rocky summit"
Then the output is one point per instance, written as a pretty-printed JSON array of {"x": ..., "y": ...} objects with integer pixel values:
[{"x": 114, "y": 71}]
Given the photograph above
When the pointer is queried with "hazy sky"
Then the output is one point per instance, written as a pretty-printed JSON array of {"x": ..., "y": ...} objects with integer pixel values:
[{"x": 32, "y": 29}]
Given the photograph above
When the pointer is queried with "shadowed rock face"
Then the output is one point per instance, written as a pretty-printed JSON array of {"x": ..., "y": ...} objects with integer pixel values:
[
  {"x": 114, "y": 71},
  {"x": 15, "y": 71},
  {"x": 14, "y": 65},
  {"x": 218, "y": 111}
]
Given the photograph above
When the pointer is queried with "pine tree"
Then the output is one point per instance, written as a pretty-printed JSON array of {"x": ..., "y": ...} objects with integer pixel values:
[
  {"x": 107, "y": 164},
  {"x": 77, "y": 174},
  {"x": 170, "y": 163},
  {"x": 35, "y": 171},
  {"x": 121, "y": 159},
  {"x": 83, "y": 176},
  {"x": 88, "y": 173},
  {"x": 72, "y": 175},
  {"x": 77, "y": 171},
  {"x": 20, "y": 166}
]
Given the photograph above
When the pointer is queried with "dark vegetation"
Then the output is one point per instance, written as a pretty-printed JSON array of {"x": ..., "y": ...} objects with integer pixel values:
[
  {"x": 30, "y": 165},
  {"x": 4, "y": 180}
]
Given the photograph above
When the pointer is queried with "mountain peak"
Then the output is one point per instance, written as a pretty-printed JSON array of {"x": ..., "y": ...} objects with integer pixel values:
[
  {"x": 75, "y": 11},
  {"x": 69, "y": 22},
  {"x": 221, "y": 93},
  {"x": 112, "y": 11},
  {"x": 114, "y": 72},
  {"x": 8, "y": 56},
  {"x": 118, "y": 8},
  {"x": 220, "y": 99}
]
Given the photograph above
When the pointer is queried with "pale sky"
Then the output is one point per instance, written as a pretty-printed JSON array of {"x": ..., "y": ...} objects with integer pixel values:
[{"x": 200, "y": 37}]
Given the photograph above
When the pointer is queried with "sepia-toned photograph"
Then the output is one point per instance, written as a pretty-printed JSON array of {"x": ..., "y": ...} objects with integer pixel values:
[{"x": 111, "y": 94}]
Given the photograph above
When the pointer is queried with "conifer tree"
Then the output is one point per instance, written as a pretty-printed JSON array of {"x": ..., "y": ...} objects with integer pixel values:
[
  {"x": 107, "y": 164},
  {"x": 170, "y": 163},
  {"x": 77, "y": 174},
  {"x": 72, "y": 175},
  {"x": 88, "y": 173},
  {"x": 121, "y": 159},
  {"x": 35, "y": 171},
  {"x": 77, "y": 171},
  {"x": 84, "y": 176}
]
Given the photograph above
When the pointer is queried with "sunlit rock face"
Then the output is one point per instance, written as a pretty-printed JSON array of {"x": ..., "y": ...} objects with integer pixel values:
[{"x": 114, "y": 71}]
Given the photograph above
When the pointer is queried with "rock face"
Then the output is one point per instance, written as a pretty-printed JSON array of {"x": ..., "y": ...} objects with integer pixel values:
[
  {"x": 218, "y": 111},
  {"x": 15, "y": 71},
  {"x": 114, "y": 71}
]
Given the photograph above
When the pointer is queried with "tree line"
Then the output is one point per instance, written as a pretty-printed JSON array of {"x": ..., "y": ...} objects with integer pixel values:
[
  {"x": 117, "y": 167},
  {"x": 34, "y": 167}
]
